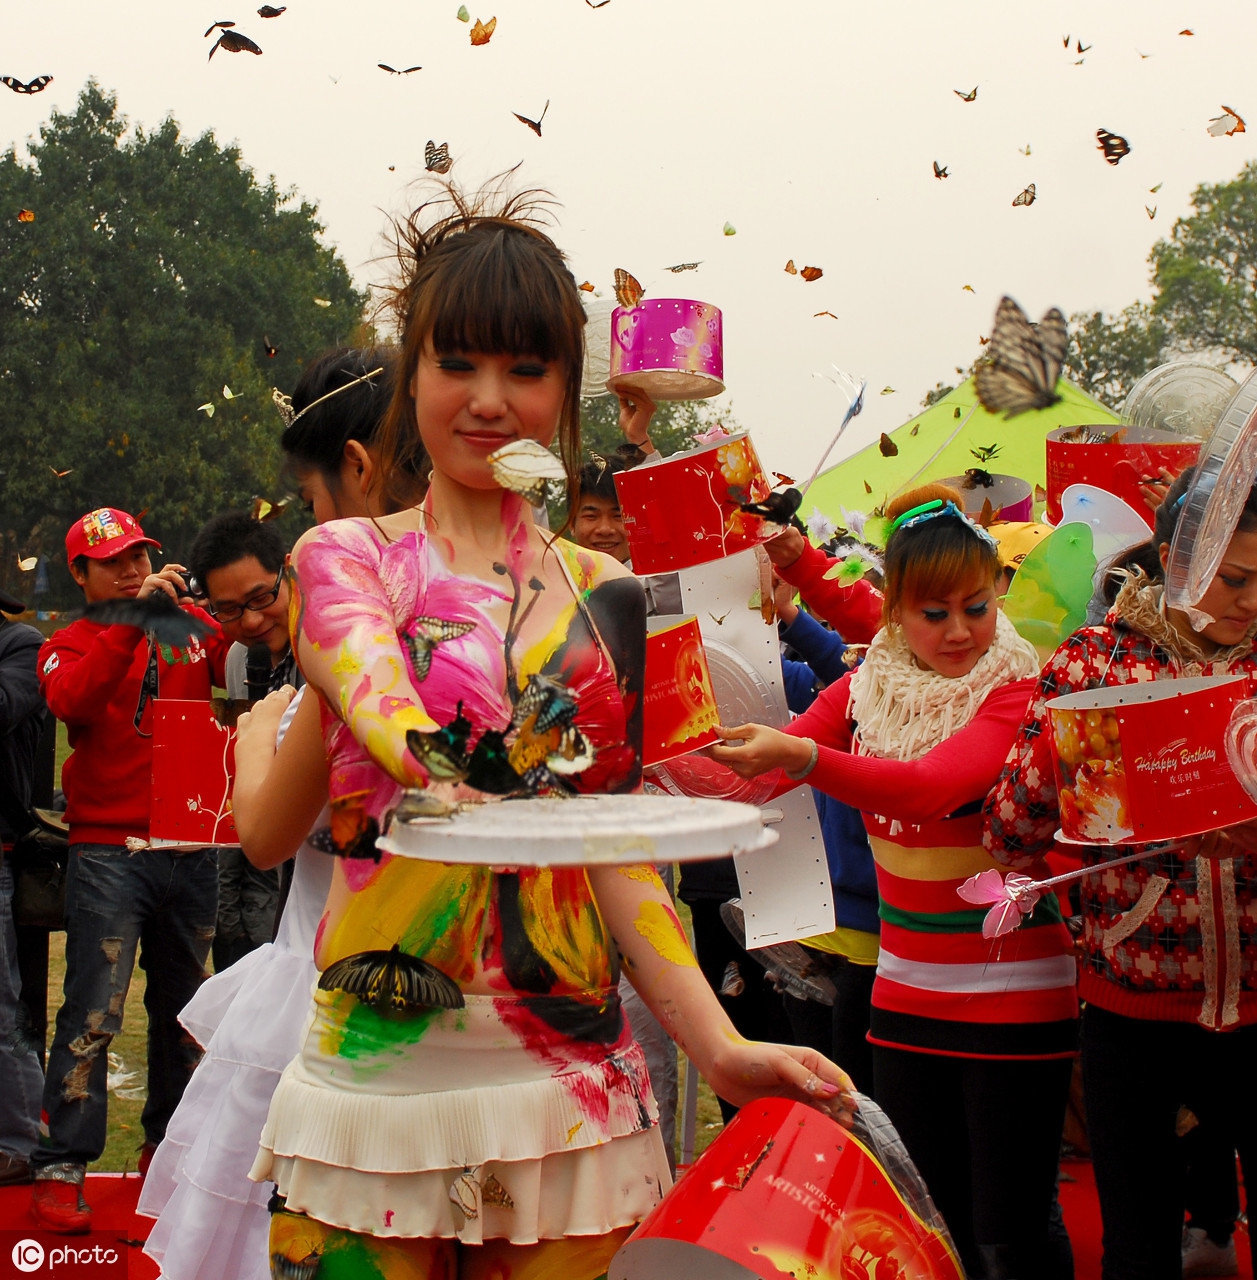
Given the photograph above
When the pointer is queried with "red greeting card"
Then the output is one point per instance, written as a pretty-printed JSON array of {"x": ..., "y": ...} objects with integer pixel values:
[
  {"x": 679, "y": 708},
  {"x": 194, "y": 764}
]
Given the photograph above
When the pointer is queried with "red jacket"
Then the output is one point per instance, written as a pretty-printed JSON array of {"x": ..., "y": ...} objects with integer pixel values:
[
  {"x": 854, "y": 612},
  {"x": 91, "y": 677}
]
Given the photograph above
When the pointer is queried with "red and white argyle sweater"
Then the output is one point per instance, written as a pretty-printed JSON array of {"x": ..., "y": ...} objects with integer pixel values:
[{"x": 1168, "y": 938}]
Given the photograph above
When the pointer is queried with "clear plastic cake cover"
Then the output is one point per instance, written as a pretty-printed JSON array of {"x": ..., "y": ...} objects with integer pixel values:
[
  {"x": 1184, "y": 397},
  {"x": 1213, "y": 502}
]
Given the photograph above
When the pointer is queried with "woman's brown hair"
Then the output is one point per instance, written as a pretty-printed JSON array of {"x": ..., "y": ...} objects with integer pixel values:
[
  {"x": 477, "y": 274},
  {"x": 932, "y": 559}
]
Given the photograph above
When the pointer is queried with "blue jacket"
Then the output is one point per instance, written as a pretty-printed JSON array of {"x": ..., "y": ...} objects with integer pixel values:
[{"x": 852, "y": 874}]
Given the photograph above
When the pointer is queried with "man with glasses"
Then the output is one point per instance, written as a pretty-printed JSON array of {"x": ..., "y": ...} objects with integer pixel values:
[
  {"x": 238, "y": 563},
  {"x": 122, "y": 896}
]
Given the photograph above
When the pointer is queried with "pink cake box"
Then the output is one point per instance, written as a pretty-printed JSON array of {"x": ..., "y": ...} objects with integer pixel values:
[{"x": 668, "y": 348}]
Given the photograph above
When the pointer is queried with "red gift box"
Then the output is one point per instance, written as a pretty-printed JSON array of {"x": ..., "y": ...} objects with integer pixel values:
[
  {"x": 194, "y": 765},
  {"x": 784, "y": 1192},
  {"x": 1143, "y": 762},
  {"x": 1117, "y": 467},
  {"x": 679, "y": 712},
  {"x": 688, "y": 510}
]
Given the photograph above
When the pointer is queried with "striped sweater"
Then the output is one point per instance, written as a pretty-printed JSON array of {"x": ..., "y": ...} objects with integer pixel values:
[{"x": 941, "y": 987}]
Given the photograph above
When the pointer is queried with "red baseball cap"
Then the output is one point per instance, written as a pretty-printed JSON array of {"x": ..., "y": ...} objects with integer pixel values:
[{"x": 103, "y": 533}]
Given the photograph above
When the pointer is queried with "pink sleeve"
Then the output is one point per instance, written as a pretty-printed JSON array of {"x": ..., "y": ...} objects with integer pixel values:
[
  {"x": 854, "y": 612},
  {"x": 959, "y": 771}
]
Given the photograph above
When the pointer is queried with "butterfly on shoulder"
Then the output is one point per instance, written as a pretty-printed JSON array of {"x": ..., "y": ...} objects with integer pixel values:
[
  {"x": 392, "y": 981},
  {"x": 1025, "y": 197},
  {"x": 1024, "y": 361},
  {"x": 351, "y": 831},
  {"x": 628, "y": 291},
  {"x": 1114, "y": 146},
  {"x": 437, "y": 159},
  {"x": 38, "y": 85}
]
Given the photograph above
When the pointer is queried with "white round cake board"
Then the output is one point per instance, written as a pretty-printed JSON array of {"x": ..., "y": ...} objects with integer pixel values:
[{"x": 600, "y": 830}]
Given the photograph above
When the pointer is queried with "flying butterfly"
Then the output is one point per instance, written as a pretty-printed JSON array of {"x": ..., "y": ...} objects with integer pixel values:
[
  {"x": 462, "y": 15},
  {"x": 1187, "y": 31},
  {"x": 157, "y": 613},
  {"x": 599, "y": 4},
  {"x": 1114, "y": 146},
  {"x": 269, "y": 11},
  {"x": 26, "y": 215},
  {"x": 985, "y": 452},
  {"x": 59, "y": 474},
  {"x": 233, "y": 42},
  {"x": 683, "y": 266},
  {"x": 628, "y": 291},
  {"x": 393, "y": 70},
  {"x": 791, "y": 269},
  {"x": 525, "y": 467},
  {"x": 263, "y": 509},
  {"x": 430, "y": 632},
  {"x": 482, "y": 32},
  {"x": 1152, "y": 191},
  {"x": 1025, "y": 151},
  {"x": 810, "y": 273},
  {"x": 534, "y": 125},
  {"x": 967, "y": 288},
  {"x": 1224, "y": 126},
  {"x": 392, "y": 980},
  {"x": 940, "y": 170},
  {"x": 214, "y": 26},
  {"x": 38, "y": 85},
  {"x": 269, "y": 347},
  {"x": 817, "y": 314},
  {"x": 586, "y": 286},
  {"x": 916, "y": 427},
  {"x": 437, "y": 159},
  {"x": 1026, "y": 197},
  {"x": 887, "y": 391},
  {"x": 28, "y": 563},
  {"x": 1024, "y": 362},
  {"x": 967, "y": 97},
  {"x": 868, "y": 488},
  {"x": 1150, "y": 211},
  {"x": 888, "y": 448},
  {"x": 1081, "y": 48}
]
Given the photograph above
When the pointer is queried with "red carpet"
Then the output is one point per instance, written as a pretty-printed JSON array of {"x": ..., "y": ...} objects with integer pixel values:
[{"x": 112, "y": 1197}]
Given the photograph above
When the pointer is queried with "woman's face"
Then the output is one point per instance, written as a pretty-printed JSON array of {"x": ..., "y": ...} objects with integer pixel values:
[
  {"x": 468, "y": 405},
  {"x": 1232, "y": 595},
  {"x": 949, "y": 633}
]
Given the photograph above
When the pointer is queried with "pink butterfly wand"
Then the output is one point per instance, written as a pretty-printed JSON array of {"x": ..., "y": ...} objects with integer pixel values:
[{"x": 1014, "y": 896}]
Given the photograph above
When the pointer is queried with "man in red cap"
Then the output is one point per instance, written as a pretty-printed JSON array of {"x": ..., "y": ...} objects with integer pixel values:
[{"x": 102, "y": 680}]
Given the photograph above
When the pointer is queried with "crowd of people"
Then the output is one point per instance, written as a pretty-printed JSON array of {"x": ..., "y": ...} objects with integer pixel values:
[{"x": 429, "y": 641}]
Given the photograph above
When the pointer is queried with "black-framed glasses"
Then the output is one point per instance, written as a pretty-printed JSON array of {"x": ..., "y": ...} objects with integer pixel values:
[{"x": 255, "y": 604}]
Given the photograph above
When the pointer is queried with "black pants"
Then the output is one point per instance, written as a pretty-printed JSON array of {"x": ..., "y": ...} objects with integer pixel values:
[
  {"x": 757, "y": 1013},
  {"x": 985, "y": 1135},
  {"x": 840, "y": 1033},
  {"x": 1136, "y": 1074}
]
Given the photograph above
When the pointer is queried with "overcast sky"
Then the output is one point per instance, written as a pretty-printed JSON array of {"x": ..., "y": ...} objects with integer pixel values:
[{"x": 811, "y": 127}]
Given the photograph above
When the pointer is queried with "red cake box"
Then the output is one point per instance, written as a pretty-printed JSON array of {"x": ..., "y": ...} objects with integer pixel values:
[
  {"x": 688, "y": 509},
  {"x": 785, "y": 1193},
  {"x": 679, "y": 712},
  {"x": 1146, "y": 761},
  {"x": 1114, "y": 459},
  {"x": 194, "y": 765}
]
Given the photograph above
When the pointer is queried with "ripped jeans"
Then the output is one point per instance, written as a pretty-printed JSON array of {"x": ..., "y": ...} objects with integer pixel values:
[{"x": 164, "y": 905}]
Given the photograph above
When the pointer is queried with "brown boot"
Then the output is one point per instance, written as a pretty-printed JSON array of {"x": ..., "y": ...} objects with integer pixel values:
[{"x": 14, "y": 1171}]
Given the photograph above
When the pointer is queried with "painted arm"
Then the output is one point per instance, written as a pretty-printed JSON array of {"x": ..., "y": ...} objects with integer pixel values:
[
  {"x": 346, "y": 643},
  {"x": 661, "y": 966}
]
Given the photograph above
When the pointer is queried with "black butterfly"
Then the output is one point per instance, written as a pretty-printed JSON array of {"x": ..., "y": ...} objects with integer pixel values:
[
  {"x": 940, "y": 170},
  {"x": 975, "y": 477},
  {"x": 1024, "y": 361},
  {"x": 430, "y": 632},
  {"x": 215, "y": 26},
  {"x": 269, "y": 11},
  {"x": 233, "y": 42},
  {"x": 443, "y": 752},
  {"x": 534, "y": 125},
  {"x": 437, "y": 159},
  {"x": 157, "y": 613},
  {"x": 1114, "y": 146},
  {"x": 888, "y": 448},
  {"x": 779, "y": 507},
  {"x": 269, "y": 347},
  {"x": 394, "y": 72},
  {"x": 392, "y": 980},
  {"x": 489, "y": 769},
  {"x": 684, "y": 266},
  {"x": 38, "y": 85},
  {"x": 985, "y": 452},
  {"x": 352, "y": 831}
]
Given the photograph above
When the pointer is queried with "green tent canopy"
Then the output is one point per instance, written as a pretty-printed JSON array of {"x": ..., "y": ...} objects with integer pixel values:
[{"x": 942, "y": 447}]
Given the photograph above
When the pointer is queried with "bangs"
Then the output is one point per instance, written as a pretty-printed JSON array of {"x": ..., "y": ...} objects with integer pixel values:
[
  {"x": 936, "y": 559},
  {"x": 499, "y": 296}
]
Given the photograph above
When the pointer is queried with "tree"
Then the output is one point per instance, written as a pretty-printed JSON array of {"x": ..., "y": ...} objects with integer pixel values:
[
  {"x": 147, "y": 282},
  {"x": 1109, "y": 354},
  {"x": 675, "y": 425},
  {"x": 1206, "y": 272}
]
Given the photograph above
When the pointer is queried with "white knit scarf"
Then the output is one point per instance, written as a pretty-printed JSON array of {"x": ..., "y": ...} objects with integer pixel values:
[{"x": 902, "y": 710}]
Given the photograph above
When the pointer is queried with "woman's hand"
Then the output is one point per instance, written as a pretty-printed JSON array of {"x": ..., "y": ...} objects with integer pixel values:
[
  {"x": 749, "y": 1069},
  {"x": 257, "y": 727},
  {"x": 636, "y": 411},
  {"x": 760, "y": 750},
  {"x": 1154, "y": 488},
  {"x": 785, "y": 548}
]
